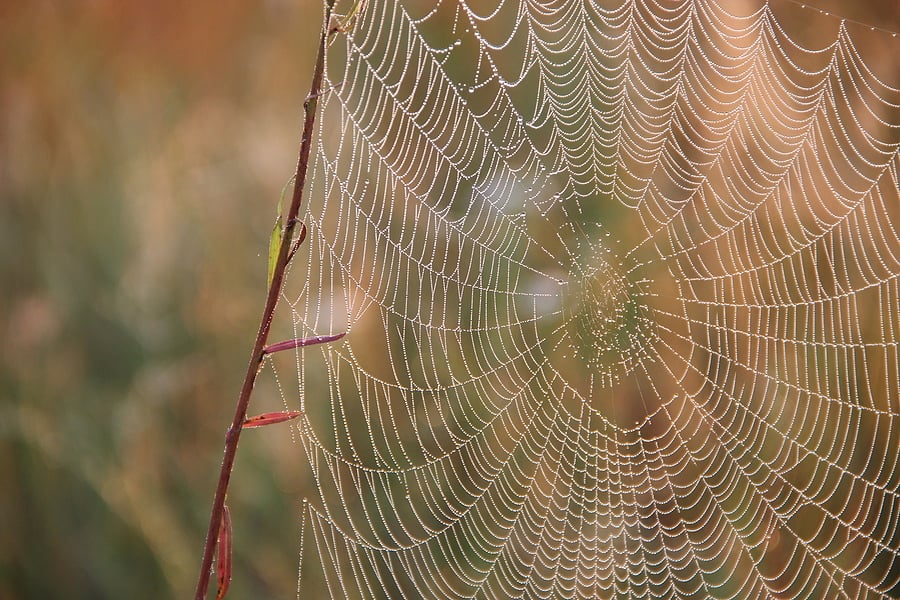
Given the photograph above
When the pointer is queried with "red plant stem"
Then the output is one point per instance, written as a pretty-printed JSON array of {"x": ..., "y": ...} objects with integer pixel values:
[{"x": 240, "y": 414}]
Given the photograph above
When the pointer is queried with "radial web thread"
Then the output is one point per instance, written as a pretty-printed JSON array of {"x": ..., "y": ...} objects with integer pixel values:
[{"x": 621, "y": 286}]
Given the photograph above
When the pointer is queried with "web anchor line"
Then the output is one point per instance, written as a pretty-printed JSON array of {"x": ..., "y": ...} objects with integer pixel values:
[{"x": 821, "y": 11}]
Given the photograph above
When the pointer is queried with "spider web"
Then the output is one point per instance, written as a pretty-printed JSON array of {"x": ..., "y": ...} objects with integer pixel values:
[{"x": 620, "y": 282}]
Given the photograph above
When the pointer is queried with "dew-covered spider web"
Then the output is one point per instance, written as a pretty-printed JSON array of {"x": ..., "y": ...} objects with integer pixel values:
[{"x": 621, "y": 286}]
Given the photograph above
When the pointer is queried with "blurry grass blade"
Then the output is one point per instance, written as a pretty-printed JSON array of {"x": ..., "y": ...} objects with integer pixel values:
[
  {"x": 271, "y": 418},
  {"x": 223, "y": 565},
  {"x": 301, "y": 342}
]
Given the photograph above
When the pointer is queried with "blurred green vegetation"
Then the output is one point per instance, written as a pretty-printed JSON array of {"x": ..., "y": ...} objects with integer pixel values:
[{"x": 142, "y": 150}]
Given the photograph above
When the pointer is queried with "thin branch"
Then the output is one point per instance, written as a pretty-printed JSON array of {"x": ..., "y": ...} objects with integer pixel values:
[{"x": 256, "y": 357}]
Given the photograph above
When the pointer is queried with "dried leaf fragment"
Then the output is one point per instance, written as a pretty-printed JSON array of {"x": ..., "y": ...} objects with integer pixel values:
[
  {"x": 301, "y": 342},
  {"x": 271, "y": 418},
  {"x": 223, "y": 564}
]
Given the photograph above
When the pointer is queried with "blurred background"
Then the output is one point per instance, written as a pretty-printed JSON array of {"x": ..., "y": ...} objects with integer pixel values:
[{"x": 143, "y": 147}]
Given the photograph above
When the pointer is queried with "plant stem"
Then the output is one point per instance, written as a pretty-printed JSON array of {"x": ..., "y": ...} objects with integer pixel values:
[{"x": 256, "y": 357}]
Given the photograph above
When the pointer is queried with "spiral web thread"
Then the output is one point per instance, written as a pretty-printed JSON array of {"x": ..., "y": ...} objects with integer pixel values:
[{"x": 621, "y": 284}]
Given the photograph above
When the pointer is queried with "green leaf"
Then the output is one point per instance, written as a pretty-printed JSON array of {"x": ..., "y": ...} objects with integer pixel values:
[
  {"x": 275, "y": 245},
  {"x": 277, "y": 231}
]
